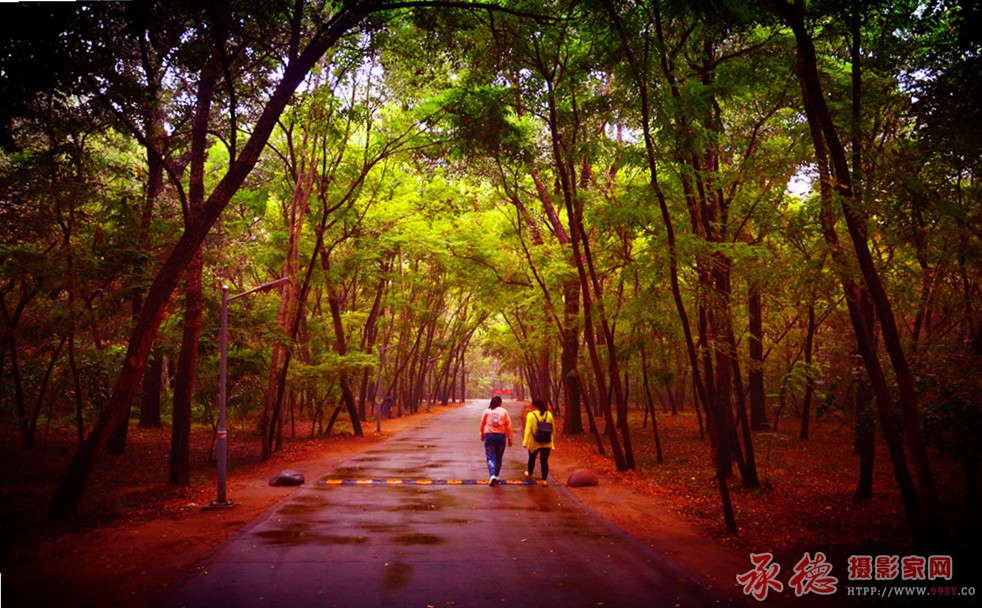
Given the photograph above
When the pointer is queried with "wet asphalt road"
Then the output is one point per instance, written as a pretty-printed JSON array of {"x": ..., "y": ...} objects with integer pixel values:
[{"x": 398, "y": 541}]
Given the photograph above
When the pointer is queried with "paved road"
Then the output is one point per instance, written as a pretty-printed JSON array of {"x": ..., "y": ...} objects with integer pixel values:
[{"x": 396, "y": 541}]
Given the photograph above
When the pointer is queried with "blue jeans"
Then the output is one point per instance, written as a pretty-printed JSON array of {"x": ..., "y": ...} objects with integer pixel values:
[{"x": 494, "y": 449}]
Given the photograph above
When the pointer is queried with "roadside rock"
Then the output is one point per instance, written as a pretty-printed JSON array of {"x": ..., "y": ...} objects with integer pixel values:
[
  {"x": 287, "y": 478},
  {"x": 581, "y": 478}
]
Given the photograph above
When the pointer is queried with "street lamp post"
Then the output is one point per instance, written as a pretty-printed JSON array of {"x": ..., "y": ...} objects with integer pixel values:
[
  {"x": 222, "y": 501},
  {"x": 428, "y": 369},
  {"x": 378, "y": 386}
]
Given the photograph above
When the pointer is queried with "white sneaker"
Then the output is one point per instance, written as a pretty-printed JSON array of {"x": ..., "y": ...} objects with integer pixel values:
[{"x": 492, "y": 481}]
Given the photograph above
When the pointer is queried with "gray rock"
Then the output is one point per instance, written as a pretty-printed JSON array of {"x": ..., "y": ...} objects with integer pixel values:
[
  {"x": 287, "y": 478},
  {"x": 581, "y": 478}
]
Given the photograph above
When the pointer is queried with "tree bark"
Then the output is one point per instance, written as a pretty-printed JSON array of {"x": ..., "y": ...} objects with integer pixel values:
[
  {"x": 42, "y": 390},
  {"x": 25, "y": 426},
  {"x": 865, "y": 438},
  {"x": 865, "y": 425},
  {"x": 156, "y": 149},
  {"x": 861, "y": 324},
  {"x": 152, "y": 385},
  {"x": 570, "y": 355},
  {"x": 8, "y": 341},
  {"x": 344, "y": 381},
  {"x": 755, "y": 375},
  {"x": 304, "y": 172},
  {"x": 806, "y": 405},
  {"x": 639, "y": 75},
  {"x": 187, "y": 364},
  {"x": 651, "y": 405}
]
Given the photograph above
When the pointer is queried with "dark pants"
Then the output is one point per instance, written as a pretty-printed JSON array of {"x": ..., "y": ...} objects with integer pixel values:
[
  {"x": 494, "y": 449},
  {"x": 544, "y": 457}
]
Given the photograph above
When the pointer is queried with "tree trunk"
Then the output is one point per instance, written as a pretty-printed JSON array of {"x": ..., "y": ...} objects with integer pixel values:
[
  {"x": 580, "y": 257},
  {"x": 9, "y": 342},
  {"x": 651, "y": 405},
  {"x": 865, "y": 424},
  {"x": 755, "y": 375},
  {"x": 908, "y": 492},
  {"x": 749, "y": 470},
  {"x": 117, "y": 441},
  {"x": 291, "y": 307},
  {"x": 865, "y": 438},
  {"x": 639, "y": 74},
  {"x": 42, "y": 391},
  {"x": 811, "y": 84},
  {"x": 970, "y": 464},
  {"x": 570, "y": 354},
  {"x": 369, "y": 336},
  {"x": 574, "y": 206},
  {"x": 77, "y": 386},
  {"x": 545, "y": 384},
  {"x": 156, "y": 148},
  {"x": 348, "y": 397},
  {"x": 806, "y": 406},
  {"x": 187, "y": 362},
  {"x": 152, "y": 385}
]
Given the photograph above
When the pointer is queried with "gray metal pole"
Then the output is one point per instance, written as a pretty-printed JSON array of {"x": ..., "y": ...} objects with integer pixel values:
[
  {"x": 378, "y": 390},
  {"x": 378, "y": 396},
  {"x": 222, "y": 500},
  {"x": 378, "y": 385}
]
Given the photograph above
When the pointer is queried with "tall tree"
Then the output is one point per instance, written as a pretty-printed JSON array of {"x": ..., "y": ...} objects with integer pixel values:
[
  {"x": 826, "y": 131},
  {"x": 306, "y": 36}
]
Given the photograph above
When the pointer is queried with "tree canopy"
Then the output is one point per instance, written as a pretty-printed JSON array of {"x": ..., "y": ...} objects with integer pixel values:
[{"x": 752, "y": 209}]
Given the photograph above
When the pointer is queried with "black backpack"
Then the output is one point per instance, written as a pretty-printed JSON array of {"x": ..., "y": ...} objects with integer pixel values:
[{"x": 543, "y": 430}]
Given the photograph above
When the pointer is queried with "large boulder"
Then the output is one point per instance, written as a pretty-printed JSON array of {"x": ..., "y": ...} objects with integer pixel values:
[
  {"x": 581, "y": 478},
  {"x": 287, "y": 478}
]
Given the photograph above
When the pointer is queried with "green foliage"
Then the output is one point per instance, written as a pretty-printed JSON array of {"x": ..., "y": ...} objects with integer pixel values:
[
  {"x": 800, "y": 375},
  {"x": 482, "y": 122},
  {"x": 427, "y": 128}
]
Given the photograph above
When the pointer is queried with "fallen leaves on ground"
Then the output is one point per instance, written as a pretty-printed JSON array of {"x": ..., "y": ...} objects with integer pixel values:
[{"x": 806, "y": 499}]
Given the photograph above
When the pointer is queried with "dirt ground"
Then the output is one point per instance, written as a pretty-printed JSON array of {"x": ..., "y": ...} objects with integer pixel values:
[{"x": 130, "y": 544}]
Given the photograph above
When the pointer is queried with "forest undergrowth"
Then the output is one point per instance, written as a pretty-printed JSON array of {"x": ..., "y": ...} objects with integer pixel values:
[{"x": 806, "y": 501}]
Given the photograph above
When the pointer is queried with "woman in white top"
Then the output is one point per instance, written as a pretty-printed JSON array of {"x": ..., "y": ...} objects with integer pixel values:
[{"x": 495, "y": 431}]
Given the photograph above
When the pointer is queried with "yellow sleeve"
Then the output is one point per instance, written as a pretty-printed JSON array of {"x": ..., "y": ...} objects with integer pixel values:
[{"x": 529, "y": 422}]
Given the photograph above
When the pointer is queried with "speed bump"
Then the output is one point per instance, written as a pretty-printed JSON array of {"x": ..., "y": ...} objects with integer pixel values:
[{"x": 427, "y": 482}]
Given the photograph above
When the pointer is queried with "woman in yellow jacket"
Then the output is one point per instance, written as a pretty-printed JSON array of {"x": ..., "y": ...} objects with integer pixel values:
[{"x": 539, "y": 437}]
